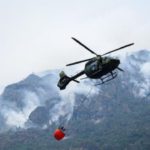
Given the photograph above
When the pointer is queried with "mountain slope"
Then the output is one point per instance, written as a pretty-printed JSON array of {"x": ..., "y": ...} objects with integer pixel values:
[{"x": 112, "y": 116}]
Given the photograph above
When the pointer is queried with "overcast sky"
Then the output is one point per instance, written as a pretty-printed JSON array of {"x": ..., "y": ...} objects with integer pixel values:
[{"x": 35, "y": 35}]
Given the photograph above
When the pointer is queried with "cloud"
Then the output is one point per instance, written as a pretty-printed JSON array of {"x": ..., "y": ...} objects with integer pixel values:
[{"x": 36, "y": 35}]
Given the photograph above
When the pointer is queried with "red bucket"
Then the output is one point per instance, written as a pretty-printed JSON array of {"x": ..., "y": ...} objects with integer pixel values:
[{"x": 59, "y": 134}]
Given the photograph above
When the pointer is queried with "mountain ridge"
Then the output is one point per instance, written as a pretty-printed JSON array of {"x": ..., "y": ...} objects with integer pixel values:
[{"x": 113, "y": 116}]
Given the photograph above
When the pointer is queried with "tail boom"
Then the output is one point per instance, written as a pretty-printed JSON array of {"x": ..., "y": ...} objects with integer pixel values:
[{"x": 64, "y": 79}]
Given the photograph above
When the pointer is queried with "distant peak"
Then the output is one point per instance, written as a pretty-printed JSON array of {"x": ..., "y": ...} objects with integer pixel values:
[{"x": 31, "y": 78}]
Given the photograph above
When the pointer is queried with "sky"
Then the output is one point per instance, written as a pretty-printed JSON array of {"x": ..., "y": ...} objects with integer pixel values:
[{"x": 35, "y": 35}]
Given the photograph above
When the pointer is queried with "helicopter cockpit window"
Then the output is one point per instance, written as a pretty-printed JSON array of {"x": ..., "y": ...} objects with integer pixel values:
[
  {"x": 105, "y": 60},
  {"x": 94, "y": 66}
]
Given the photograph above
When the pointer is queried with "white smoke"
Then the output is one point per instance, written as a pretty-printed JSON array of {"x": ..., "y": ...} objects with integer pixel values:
[
  {"x": 16, "y": 117},
  {"x": 65, "y": 107},
  {"x": 145, "y": 69},
  {"x": 138, "y": 66}
]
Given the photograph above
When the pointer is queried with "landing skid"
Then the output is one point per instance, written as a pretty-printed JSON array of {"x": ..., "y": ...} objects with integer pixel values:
[{"x": 107, "y": 78}]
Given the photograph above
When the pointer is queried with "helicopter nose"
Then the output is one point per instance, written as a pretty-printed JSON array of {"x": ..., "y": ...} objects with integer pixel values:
[{"x": 116, "y": 62}]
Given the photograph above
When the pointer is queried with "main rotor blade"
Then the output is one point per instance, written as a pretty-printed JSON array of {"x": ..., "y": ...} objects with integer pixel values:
[
  {"x": 84, "y": 46},
  {"x": 78, "y": 62},
  {"x": 118, "y": 48}
]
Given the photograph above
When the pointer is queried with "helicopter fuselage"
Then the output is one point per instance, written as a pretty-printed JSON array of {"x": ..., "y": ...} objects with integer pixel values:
[{"x": 96, "y": 68}]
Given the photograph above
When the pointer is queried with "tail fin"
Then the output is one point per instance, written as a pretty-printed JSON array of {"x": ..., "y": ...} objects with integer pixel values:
[{"x": 64, "y": 80}]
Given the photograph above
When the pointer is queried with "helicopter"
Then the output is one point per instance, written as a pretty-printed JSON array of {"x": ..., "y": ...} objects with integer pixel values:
[{"x": 99, "y": 67}]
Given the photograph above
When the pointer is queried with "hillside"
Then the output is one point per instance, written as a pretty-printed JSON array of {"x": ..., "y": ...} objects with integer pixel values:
[{"x": 113, "y": 116}]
